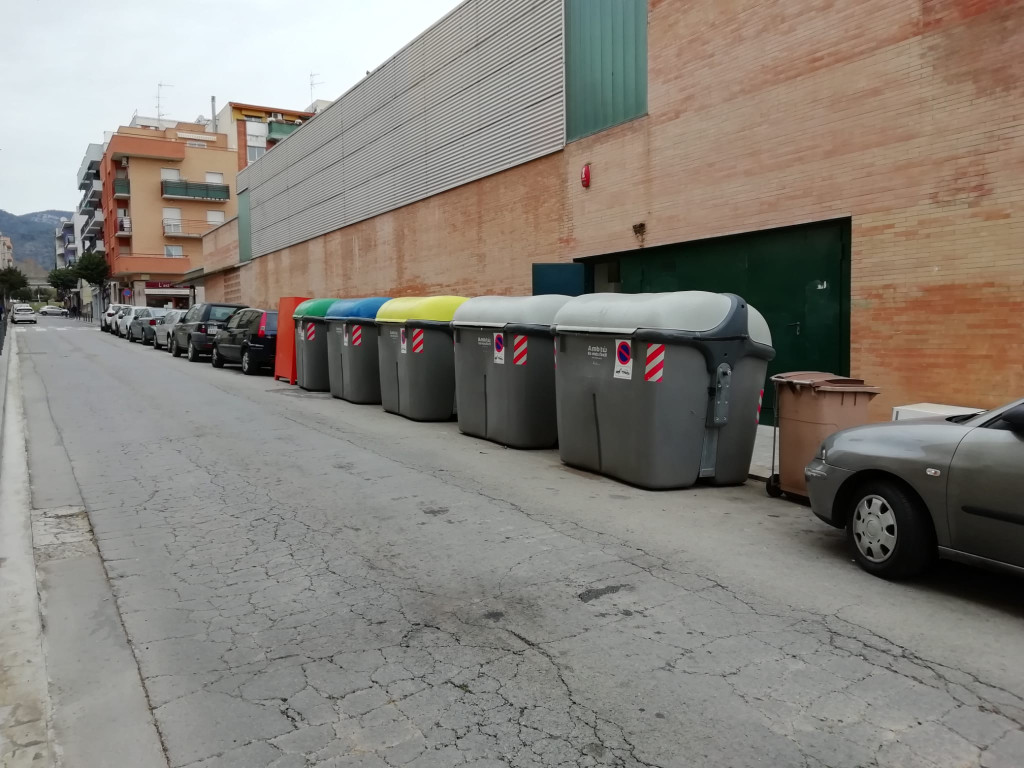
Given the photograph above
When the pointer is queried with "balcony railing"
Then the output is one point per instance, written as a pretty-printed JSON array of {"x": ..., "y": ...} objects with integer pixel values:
[
  {"x": 194, "y": 190},
  {"x": 122, "y": 188},
  {"x": 187, "y": 227},
  {"x": 124, "y": 226},
  {"x": 277, "y": 131},
  {"x": 95, "y": 224}
]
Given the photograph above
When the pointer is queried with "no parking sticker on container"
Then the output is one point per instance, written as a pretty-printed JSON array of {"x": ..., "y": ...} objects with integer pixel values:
[
  {"x": 401, "y": 336},
  {"x": 499, "y": 348},
  {"x": 623, "y": 359}
]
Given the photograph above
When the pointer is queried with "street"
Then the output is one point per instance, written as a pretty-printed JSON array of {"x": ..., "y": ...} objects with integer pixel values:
[{"x": 307, "y": 582}]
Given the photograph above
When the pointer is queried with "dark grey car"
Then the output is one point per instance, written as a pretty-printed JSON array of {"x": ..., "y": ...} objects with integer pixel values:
[
  {"x": 908, "y": 491},
  {"x": 194, "y": 333}
]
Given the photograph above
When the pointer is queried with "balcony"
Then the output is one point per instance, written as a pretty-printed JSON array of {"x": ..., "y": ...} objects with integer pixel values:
[
  {"x": 124, "y": 227},
  {"x": 194, "y": 190},
  {"x": 157, "y": 267},
  {"x": 94, "y": 225},
  {"x": 122, "y": 189},
  {"x": 91, "y": 198},
  {"x": 188, "y": 228},
  {"x": 98, "y": 247},
  {"x": 277, "y": 131},
  {"x": 90, "y": 167}
]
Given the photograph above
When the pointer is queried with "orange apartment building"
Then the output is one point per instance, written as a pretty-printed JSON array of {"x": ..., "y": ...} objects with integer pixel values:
[
  {"x": 161, "y": 189},
  {"x": 252, "y": 130}
]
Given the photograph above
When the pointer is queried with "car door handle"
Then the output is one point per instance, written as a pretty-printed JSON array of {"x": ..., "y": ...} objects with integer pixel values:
[{"x": 797, "y": 326}]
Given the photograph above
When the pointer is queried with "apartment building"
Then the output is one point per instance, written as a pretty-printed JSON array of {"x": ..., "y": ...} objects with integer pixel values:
[
  {"x": 6, "y": 252},
  {"x": 65, "y": 244},
  {"x": 160, "y": 186},
  {"x": 252, "y": 130}
]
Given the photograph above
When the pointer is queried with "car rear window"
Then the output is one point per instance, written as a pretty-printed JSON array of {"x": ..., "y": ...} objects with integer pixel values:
[
  {"x": 23, "y": 309},
  {"x": 222, "y": 313},
  {"x": 271, "y": 321},
  {"x": 157, "y": 312}
]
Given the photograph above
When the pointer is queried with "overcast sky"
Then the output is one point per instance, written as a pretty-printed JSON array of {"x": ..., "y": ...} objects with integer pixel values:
[{"x": 72, "y": 69}]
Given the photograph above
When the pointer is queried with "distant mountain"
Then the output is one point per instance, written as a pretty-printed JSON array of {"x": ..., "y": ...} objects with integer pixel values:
[{"x": 32, "y": 237}]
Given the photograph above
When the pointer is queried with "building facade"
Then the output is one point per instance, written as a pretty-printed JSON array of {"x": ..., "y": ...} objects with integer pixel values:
[
  {"x": 65, "y": 244},
  {"x": 854, "y": 169},
  {"x": 252, "y": 130},
  {"x": 161, "y": 185},
  {"x": 6, "y": 252}
]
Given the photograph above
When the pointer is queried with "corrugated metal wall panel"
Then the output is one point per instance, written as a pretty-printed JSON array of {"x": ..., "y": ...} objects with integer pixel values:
[{"x": 479, "y": 92}]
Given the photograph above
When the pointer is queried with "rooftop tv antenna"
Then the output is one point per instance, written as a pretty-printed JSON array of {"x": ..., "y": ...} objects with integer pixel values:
[
  {"x": 159, "y": 89},
  {"x": 313, "y": 82}
]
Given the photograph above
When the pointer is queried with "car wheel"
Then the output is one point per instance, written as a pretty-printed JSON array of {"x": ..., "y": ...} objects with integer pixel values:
[
  {"x": 193, "y": 353},
  {"x": 889, "y": 530},
  {"x": 175, "y": 349},
  {"x": 249, "y": 368},
  {"x": 215, "y": 359},
  {"x": 131, "y": 336},
  {"x": 156, "y": 342}
]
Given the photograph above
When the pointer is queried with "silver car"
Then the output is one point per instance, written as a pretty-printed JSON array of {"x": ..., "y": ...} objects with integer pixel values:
[
  {"x": 909, "y": 491},
  {"x": 164, "y": 326}
]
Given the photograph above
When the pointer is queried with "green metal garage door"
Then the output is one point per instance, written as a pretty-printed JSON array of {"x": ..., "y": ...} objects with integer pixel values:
[{"x": 798, "y": 277}]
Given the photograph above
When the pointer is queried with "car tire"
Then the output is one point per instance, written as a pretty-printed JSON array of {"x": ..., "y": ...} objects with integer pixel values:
[
  {"x": 131, "y": 337},
  {"x": 174, "y": 348},
  {"x": 156, "y": 344},
  {"x": 889, "y": 530},
  {"x": 249, "y": 368},
  {"x": 193, "y": 353},
  {"x": 215, "y": 359}
]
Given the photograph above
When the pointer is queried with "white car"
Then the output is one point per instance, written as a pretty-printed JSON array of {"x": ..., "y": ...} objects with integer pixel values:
[
  {"x": 49, "y": 309},
  {"x": 164, "y": 326},
  {"x": 23, "y": 313},
  {"x": 107, "y": 318},
  {"x": 124, "y": 319}
]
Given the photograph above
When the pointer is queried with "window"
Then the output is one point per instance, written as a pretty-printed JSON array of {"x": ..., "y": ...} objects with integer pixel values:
[
  {"x": 174, "y": 251},
  {"x": 219, "y": 313},
  {"x": 170, "y": 174},
  {"x": 215, "y": 217},
  {"x": 193, "y": 314},
  {"x": 255, "y": 153},
  {"x": 253, "y": 119},
  {"x": 172, "y": 220},
  {"x": 121, "y": 173},
  {"x": 236, "y": 319},
  {"x": 214, "y": 178}
]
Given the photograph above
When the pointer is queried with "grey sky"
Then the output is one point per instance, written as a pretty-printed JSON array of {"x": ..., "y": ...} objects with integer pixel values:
[{"x": 72, "y": 69}]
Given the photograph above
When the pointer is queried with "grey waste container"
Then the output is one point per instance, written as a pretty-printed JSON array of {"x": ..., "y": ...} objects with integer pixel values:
[
  {"x": 352, "y": 358},
  {"x": 660, "y": 389},
  {"x": 311, "y": 344},
  {"x": 417, "y": 369},
  {"x": 505, "y": 369}
]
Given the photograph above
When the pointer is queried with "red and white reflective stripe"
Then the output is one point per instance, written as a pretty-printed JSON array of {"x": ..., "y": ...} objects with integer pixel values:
[
  {"x": 417, "y": 340},
  {"x": 760, "y": 400},
  {"x": 519, "y": 350},
  {"x": 310, "y": 332},
  {"x": 655, "y": 362},
  {"x": 357, "y": 335}
]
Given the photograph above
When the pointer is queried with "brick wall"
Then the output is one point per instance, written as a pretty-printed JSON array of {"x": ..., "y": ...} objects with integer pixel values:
[{"x": 905, "y": 115}]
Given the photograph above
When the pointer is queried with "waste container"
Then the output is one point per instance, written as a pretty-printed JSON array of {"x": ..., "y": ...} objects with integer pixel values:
[
  {"x": 311, "y": 345},
  {"x": 417, "y": 368},
  {"x": 810, "y": 406},
  {"x": 352, "y": 360},
  {"x": 660, "y": 389},
  {"x": 505, "y": 369},
  {"x": 284, "y": 365}
]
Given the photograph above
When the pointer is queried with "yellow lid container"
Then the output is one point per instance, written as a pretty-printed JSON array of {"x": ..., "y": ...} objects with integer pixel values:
[{"x": 437, "y": 309}]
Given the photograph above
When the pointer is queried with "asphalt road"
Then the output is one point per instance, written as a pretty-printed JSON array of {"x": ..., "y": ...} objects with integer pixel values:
[{"x": 306, "y": 582}]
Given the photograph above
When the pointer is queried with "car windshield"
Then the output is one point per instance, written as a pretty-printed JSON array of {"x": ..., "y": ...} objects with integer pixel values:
[{"x": 222, "y": 313}]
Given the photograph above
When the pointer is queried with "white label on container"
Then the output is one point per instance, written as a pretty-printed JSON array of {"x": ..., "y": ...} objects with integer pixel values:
[
  {"x": 623, "y": 359},
  {"x": 499, "y": 348}
]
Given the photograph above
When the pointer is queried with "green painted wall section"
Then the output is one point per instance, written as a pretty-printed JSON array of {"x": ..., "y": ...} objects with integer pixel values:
[
  {"x": 605, "y": 64},
  {"x": 244, "y": 227},
  {"x": 797, "y": 277}
]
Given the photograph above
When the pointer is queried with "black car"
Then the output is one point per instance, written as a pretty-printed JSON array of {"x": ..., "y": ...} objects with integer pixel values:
[
  {"x": 144, "y": 323},
  {"x": 194, "y": 334},
  {"x": 249, "y": 338}
]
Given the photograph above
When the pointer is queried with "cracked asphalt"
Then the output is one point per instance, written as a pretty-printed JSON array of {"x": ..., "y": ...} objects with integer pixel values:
[{"x": 306, "y": 582}]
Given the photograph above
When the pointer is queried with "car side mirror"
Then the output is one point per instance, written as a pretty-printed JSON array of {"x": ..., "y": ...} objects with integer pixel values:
[{"x": 1015, "y": 418}]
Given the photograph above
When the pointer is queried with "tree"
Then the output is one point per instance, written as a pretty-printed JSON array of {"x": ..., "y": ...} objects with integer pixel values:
[
  {"x": 92, "y": 268},
  {"x": 24, "y": 294},
  {"x": 63, "y": 279},
  {"x": 11, "y": 279}
]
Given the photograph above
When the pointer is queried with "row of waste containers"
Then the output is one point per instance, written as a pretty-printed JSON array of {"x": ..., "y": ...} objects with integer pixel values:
[{"x": 658, "y": 390}]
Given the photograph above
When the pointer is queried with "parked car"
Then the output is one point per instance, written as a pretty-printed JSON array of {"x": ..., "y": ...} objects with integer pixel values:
[
  {"x": 109, "y": 315},
  {"x": 908, "y": 491},
  {"x": 164, "y": 326},
  {"x": 144, "y": 323},
  {"x": 248, "y": 338},
  {"x": 194, "y": 334},
  {"x": 49, "y": 309},
  {"x": 124, "y": 319},
  {"x": 23, "y": 313}
]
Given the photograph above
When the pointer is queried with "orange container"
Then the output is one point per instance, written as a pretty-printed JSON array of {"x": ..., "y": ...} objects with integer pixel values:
[
  {"x": 284, "y": 367},
  {"x": 811, "y": 405}
]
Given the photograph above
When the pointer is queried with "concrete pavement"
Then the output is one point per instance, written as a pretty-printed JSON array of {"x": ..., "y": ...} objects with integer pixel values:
[{"x": 305, "y": 582}]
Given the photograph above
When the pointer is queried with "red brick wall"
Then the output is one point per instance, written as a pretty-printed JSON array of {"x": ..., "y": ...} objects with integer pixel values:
[{"x": 905, "y": 115}]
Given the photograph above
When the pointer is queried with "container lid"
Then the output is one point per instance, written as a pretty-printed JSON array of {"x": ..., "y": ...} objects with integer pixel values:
[
  {"x": 312, "y": 308},
  {"x": 499, "y": 311},
  {"x": 362, "y": 309},
  {"x": 693, "y": 311},
  {"x": 824, "y": 382},
  {"x": 434, "y": 308}
]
